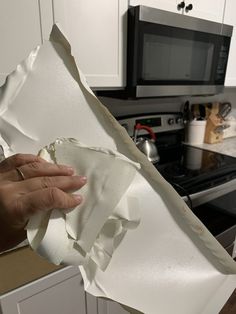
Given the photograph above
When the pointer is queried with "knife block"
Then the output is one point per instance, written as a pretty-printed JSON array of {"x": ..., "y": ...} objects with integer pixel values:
[{"x": 211, "y": 136}]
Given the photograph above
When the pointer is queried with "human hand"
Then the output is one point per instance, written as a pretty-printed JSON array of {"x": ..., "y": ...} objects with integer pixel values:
[{"x": 43, "y": 186}]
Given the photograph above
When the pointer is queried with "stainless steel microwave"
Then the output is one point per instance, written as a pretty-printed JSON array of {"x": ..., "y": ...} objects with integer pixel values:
[{"x": 170, "y": 54}]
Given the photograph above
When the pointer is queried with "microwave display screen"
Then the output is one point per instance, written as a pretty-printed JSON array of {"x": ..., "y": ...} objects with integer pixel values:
[
  {"x": 179, "y": 59},
  {"x": 151, "y": 122}
]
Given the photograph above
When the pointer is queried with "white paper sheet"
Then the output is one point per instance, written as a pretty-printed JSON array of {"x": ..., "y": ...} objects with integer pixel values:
[
  {"x": 93, "y": 229},
  {"x": 170, "y": 263}
]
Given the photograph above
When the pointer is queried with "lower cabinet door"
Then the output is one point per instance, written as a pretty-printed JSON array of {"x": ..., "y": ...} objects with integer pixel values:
[
  {"x": 110, "y": 307},
  {"x": 60, "y": 292},
  {"x": 104, "y": 306}
]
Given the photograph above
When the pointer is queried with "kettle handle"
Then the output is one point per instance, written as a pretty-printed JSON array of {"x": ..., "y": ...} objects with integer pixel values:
[{"x": 139, "y": 126}]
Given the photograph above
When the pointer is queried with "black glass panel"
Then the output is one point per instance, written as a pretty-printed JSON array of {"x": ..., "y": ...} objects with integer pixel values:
[
  {"x": 195, "y": 169},
  {"x": 170, "y": 55}
]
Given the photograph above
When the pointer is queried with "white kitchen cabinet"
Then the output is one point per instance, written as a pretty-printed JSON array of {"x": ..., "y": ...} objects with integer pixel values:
[
  {"x": 168, "y": 5},
  {"x": 110, "y": 307},
  {"x": 59, "y": 292},
  {"x": 97, "y": 33},
  {"x": 23, "y": 25},
  {"x": 205, "y": 9},
  {"x": 230, "y": 18},
  {"x": 96, "y": 29},
  {"x": 212, "y": 10},
  {"x": 103, "y": 306},
  {"x": 55, "y": 291}
]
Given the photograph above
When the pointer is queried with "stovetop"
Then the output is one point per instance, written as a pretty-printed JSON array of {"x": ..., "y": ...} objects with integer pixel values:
[{"x": 191, "y": 170}]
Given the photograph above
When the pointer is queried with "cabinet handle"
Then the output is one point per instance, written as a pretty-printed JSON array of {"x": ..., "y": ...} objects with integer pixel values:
[
  {"x": 188, "y": 8},
  {"x": 181, "y": 5}
]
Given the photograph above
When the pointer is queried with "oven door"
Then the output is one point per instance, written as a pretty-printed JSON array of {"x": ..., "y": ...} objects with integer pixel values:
[{"x": 219, "y": 216}]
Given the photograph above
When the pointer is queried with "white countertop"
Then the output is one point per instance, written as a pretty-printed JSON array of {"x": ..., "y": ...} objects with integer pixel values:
[{"x": 227, "y": 147}]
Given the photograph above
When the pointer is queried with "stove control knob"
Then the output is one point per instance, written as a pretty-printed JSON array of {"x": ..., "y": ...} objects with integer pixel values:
[
  {"x": 171, "y": 121},
  {"x": 179, "y": 120}
]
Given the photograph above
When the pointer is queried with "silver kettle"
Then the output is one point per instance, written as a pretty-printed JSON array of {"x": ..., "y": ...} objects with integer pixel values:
[{"x": 146, "y": 146}]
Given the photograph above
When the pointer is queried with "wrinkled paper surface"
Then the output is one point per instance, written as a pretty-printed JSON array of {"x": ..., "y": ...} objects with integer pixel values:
[
  {"x": 169, "y": 263},
  {"x": 93, "y": 229}
]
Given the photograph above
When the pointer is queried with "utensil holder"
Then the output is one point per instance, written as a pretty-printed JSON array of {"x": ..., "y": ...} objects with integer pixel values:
[
  {"x": 211, "y": 134},
  {"x": 196, "y": 131}
]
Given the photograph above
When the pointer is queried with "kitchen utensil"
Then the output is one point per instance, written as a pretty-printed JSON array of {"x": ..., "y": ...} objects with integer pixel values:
[
  {"x": 225, "y": 109},
  {"x": 220, "y": 128},
  {"x": 147, "y": 146},
  {"x": 202, "y": 111},
  {"x": 186, "y": 112}
]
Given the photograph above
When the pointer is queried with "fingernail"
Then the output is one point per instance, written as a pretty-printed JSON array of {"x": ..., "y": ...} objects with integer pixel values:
[
  {"x": 83, "y": 179},
  {"x": 77, "y": 197},
  {"x": 70, "y": 169}
]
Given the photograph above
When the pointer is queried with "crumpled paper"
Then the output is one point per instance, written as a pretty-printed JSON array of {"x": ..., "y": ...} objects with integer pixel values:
[
  {"x": 169, "y": 263},
  {"x": 93, "y": 229}
]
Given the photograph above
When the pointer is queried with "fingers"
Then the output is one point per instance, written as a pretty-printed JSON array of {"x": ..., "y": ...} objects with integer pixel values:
[
  {"x": 36, "y": 186},
  {"x": 65, "y": 183},
  {"x": 19, "y": 200},
  {"x": 36, "y": 169},
  {"x": 39, "y": 200},
  {"x": 18, "y": 160},
  {"x": 30, "y": 166}
]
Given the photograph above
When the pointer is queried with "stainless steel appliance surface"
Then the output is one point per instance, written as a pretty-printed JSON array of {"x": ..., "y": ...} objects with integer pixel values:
[
  {"x": 201, "y": 177},
  {"x": 171, "y": 54}
]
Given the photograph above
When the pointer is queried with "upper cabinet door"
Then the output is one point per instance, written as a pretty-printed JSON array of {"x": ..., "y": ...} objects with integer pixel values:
[
  {"x": 97, "y": 33},
  {"x": 168, "y": 5},
  {"x": 21, "y": 30},
  {"x": 206, "y": 9},
  {"x": 230, "y": 18}
]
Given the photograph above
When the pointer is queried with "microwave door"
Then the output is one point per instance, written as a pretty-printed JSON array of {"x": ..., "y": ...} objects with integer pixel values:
[
  {"x": 176, "y": 59},
  {"x": 165, "y": 60}
]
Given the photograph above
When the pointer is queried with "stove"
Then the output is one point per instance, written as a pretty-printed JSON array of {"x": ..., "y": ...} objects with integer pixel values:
[
  {"x": 200, "y": 177},
  {"x": 193, "y": 169},
  {"x": 190, "y": 170}
]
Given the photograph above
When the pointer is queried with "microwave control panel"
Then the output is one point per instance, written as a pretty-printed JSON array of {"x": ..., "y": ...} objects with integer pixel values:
[{"x": 158, "y": 123}]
